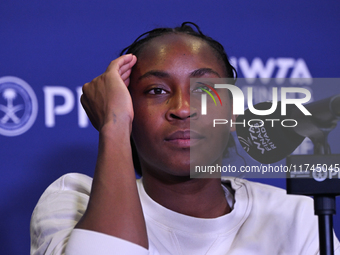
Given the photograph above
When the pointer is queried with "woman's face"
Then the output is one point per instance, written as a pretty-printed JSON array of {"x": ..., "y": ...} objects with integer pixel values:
[{"x": 166, "y": 126}]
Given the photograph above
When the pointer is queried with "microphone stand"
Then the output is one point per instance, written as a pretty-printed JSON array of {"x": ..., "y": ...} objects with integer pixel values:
[{"x": 318, "y": 175}]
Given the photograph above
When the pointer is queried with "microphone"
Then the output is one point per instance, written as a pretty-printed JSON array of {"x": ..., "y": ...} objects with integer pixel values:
[{"x": 271, "y": 138}]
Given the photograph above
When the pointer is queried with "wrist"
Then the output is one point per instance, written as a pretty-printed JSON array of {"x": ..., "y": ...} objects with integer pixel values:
[{"x": 118, "y": 128}]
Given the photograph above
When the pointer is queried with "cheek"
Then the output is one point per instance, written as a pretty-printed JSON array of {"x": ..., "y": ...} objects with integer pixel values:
[
  {"x": 146, "y": 124},
  {"x": 140, "y": 129},
  {"x": 218, "y": 131},
  {"x": 142, "y": 118}
]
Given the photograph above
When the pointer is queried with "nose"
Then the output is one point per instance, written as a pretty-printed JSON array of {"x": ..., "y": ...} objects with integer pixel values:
[{"x": 179, "y": 106}]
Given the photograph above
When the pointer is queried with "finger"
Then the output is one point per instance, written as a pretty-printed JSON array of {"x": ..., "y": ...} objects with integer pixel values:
[
  {"x": 133, "y": 61},
  {"x": 126, "y": 74},
  {"x": 124, "y": 68},
  {"x": 128, "y": 65},
  {"x": 119, "y": 62},
  {"x": 127, "y": 81}
]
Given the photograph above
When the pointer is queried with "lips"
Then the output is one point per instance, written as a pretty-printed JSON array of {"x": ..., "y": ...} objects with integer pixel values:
[{"x": 184, "y": 138}]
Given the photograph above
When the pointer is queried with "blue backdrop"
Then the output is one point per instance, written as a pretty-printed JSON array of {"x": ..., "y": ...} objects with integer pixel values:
[{"x": 57, "y": 46}]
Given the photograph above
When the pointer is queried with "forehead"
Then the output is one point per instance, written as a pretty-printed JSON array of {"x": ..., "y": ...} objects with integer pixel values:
[{"x": 172, "y": 48}]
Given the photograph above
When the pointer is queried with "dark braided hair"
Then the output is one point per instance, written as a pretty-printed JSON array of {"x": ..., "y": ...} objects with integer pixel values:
[{"x": 186, "y": 28}]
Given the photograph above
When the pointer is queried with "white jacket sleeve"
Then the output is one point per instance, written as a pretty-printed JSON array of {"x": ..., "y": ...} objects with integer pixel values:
[{"x": 58, "y": 210}]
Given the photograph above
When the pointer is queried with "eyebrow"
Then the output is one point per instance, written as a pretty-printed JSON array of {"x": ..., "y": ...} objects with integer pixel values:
[
  {"x": 154, "y": 73},
  {"x": 202, "y": 71},
  {"x": 194, "y": 74}
]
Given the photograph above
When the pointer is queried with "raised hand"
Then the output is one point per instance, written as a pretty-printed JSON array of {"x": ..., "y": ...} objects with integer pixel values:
[
  {"x": 106, "y": 98},
  {"x": 114, "y": 207}
]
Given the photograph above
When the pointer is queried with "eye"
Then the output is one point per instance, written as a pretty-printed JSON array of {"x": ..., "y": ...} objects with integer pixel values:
[{"x": 157, "y": 91}]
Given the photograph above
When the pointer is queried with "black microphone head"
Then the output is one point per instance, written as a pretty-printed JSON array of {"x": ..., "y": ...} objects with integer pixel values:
[{"x": 270, "y": 138}]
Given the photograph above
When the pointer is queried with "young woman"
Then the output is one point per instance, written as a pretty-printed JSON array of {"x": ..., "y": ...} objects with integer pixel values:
[{"x": 145, "y": 96}]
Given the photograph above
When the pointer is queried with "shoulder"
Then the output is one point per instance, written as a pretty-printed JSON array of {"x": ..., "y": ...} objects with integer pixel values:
[
  {"x": 67, "y": 195},
  {"x": 58, "y": 210},
  {"x": 70, "y": 182}
]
